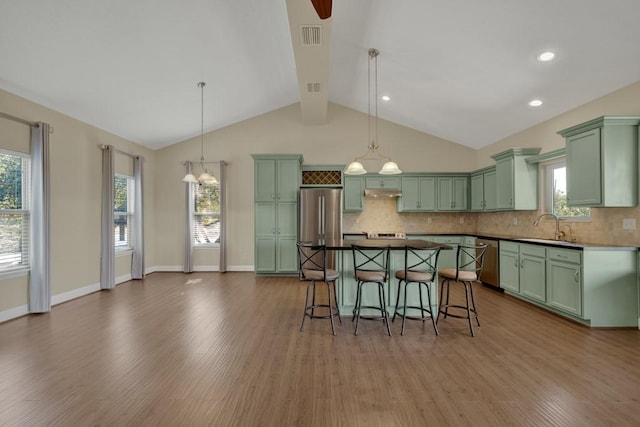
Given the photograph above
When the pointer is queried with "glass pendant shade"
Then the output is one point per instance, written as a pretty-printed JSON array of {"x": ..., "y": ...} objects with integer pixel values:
[
  {"x": 189, "y": 178},
  {"x": 355, "y": 168},
  {"x": 390, "y": 168}
]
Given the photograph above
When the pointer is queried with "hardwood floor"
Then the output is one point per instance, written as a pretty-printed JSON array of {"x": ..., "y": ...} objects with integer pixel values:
[{"x": 225, "y": 350}]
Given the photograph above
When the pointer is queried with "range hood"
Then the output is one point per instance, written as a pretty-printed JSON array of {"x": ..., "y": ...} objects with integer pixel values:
[{"x": 382, "y": 193}]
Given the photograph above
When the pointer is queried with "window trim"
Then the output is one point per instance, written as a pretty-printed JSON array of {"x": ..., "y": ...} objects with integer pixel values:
[
  {"x": 130, "y": 214},
  {"x": 23, "y": 268},
  {"x": 195, "y": 214},
  {"x": 546, "y": 169}
]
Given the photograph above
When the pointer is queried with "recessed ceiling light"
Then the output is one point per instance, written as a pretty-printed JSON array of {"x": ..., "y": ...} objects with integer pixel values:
[
  {"x": 535, "y": 103},
  {"x": 546, "y": 56},
  {"x": 385, "y": 98}
]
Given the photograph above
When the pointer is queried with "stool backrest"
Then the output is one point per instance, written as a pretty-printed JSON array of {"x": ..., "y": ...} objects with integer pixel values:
[
  {"x": 311, "y": 257},
  {"x": 470, "y": 258},
  {"x": 366, "y": 258},
  {"x": 424, "y": 260}
]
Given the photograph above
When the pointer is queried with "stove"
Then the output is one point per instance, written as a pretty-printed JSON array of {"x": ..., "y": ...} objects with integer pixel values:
[{"x": 379, "y": 235}]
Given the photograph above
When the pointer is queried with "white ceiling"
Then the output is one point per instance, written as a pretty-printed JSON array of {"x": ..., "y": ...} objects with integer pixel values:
[{"x": 461, "y": 70}]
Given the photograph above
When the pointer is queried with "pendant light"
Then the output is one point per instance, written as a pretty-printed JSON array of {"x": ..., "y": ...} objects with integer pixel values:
[
  {"x": 389, "y": 167},
  {"x": 205, "y": 177}
]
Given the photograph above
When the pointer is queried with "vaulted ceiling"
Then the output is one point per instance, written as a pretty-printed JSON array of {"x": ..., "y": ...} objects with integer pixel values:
[{"x": 461, "y": 70}]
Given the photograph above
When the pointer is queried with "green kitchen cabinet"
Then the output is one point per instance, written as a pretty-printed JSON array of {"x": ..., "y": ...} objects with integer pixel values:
[
  {"x": 484, "y": 190},
  {"x": 452, "y": 193},
  {"x": 276, "y": 212},
  {"x": 564, "y": 281},
  {"x": 594, "y": 286},
  {"x": 523, "y": 269},
  {"x": 602, "y": 162},
  {"x": 353, "y": 193},
  {"x": 382, "y": 182},
  {"x": 447, "y": 258},
  {"x": 516, "y": 180},
  {"x": 418, "y": 194}
]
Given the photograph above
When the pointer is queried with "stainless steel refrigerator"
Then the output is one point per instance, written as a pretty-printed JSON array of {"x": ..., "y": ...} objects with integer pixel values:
[{"x": 321, "y": 215}]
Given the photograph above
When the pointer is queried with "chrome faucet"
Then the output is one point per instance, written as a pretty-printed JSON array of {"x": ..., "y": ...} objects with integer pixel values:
[{"x": 559, "y": 234}]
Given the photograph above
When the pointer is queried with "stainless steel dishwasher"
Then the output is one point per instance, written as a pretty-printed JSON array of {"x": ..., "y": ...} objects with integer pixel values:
[{"x": 490, "y": 267}]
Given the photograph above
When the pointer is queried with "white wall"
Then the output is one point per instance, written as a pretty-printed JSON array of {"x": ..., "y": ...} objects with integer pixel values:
[
  {"x": 75, "y": 200},
  {"x": 281, "y": 131}
]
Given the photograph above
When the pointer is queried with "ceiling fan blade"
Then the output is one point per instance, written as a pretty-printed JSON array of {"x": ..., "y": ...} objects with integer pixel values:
[{"x": 323, "y": 8}]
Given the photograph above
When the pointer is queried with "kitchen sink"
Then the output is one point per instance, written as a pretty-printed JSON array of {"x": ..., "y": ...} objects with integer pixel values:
[{"x": 551, "y": 242}]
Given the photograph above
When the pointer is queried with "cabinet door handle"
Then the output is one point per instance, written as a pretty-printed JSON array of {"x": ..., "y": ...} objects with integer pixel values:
[
  {"x": 576, "y": 276},
  {"x": 273, "y": 231},
  {"x": 515, "y": 264},
  {"x": 273, "y": 196},
  {"x": 522, "y": 264}
]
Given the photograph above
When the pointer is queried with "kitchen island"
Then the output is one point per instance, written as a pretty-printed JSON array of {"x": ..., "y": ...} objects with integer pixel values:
[{"x": 347, "y": 285}]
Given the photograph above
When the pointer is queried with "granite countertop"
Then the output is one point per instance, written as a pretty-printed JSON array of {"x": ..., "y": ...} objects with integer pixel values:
[{"x": 519, "y": 239}]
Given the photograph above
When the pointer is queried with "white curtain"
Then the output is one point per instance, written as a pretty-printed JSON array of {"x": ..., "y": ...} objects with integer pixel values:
[
  {"x": 137, "y": 263},
  {"x": 40, "y": 274},
  {"x": 188, "y": 244},
  {"x": 107, "y": 260},
  {"x": 223, "y": 217}
]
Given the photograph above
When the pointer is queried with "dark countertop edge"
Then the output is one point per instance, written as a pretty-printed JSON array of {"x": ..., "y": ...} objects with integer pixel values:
[{"x": 559, "y": 244}]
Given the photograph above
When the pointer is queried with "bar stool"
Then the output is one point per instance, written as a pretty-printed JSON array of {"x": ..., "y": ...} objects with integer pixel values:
[
  {"x": 371, "y": 265},
  {"x": 469, "y": 260},
  {"x": 419, "y": 268},
  {"x": 313, "y": 269}
]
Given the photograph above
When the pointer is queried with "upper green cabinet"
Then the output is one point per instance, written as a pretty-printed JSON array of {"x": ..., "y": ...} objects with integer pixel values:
[
  {"x": 276, "y": 179},
  {"x": 517, "y": 180},
  {"x": 418, "y": 194},
  {"x": 484, "y": 189},
  {"x": 602, "y": 162},
  {"x": 353, "y": 193},
  {"x": 452, "y": 193},
  {"x": 382, "y": 182}
]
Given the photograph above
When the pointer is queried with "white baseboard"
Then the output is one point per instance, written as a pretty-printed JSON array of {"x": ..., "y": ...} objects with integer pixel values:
[
  {"x": 22, "y": 310},
  {"x": 13, "y": 313}
]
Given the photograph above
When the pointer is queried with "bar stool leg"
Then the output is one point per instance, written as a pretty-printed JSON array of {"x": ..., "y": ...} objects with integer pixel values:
[
  {"x": 383, "y": 306},
  {"x": 395, "y": 312},
  {"x": 356, "y": 310},
  {"x": 335, "y": 300},
  {"x": 333, "y": 330},
  {"x": 433, "y": 321},
  {"x": 473, "y": 302},
  {"x": 466, "y": 294},
  {"x": 306, "y": 305},
  {"x": 404, "y": 310},
  {"x": 420, "y": 295}
]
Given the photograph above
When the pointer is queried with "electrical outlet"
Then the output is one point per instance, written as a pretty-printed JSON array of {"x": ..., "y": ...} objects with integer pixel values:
[
  {"x": 429, "y": 220},
  {"x": 461, "y": 220},
  {"x": 515, "y": 221},
  {"x": 629, "y": 224}
]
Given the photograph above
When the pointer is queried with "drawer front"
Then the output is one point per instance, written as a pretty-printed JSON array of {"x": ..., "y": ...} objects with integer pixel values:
[
  {"x": 509, "y": 246},
  {"x": 565, "y": 255},
  {"x": 533, "y": 250},
  {"x": 450, "y": 240}
]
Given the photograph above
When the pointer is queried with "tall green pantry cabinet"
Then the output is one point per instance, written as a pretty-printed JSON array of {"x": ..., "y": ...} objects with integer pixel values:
[{"x": 276, "y": 212}]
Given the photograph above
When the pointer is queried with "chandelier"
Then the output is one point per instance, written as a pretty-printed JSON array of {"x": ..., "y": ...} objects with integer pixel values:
[
  {"x": 205, "y": 177},
  {"x": 389, "y": 167}
]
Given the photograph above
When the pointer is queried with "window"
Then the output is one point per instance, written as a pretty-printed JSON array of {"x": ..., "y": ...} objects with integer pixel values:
[
  {"x": 14, "y": 210},
  {"x": 556, "y": 193},
  {"x": 206, "y": 212},
  {"x": 123, "y": 211}
]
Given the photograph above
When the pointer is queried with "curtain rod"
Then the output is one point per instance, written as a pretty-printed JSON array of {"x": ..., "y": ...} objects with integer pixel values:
[
  {"x": 211, "y": 162},
  {"x": 133, "y": 156},
  {"x": 18, "y": 119}
]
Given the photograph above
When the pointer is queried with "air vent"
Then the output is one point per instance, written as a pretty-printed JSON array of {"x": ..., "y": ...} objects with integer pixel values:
[
  {"x": 311, "y": 35},
  {"x": 313, "y": 87}
]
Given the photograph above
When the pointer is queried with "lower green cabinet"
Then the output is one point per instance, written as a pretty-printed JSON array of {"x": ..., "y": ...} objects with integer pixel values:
[
  {"x": 565, "y": 287},
  {"x": 594, "y": 286},
  {"x": 522, "y": 270}
]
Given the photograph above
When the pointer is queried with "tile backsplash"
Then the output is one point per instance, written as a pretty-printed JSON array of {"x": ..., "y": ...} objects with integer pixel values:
[{"x": 604, "y": 227}]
